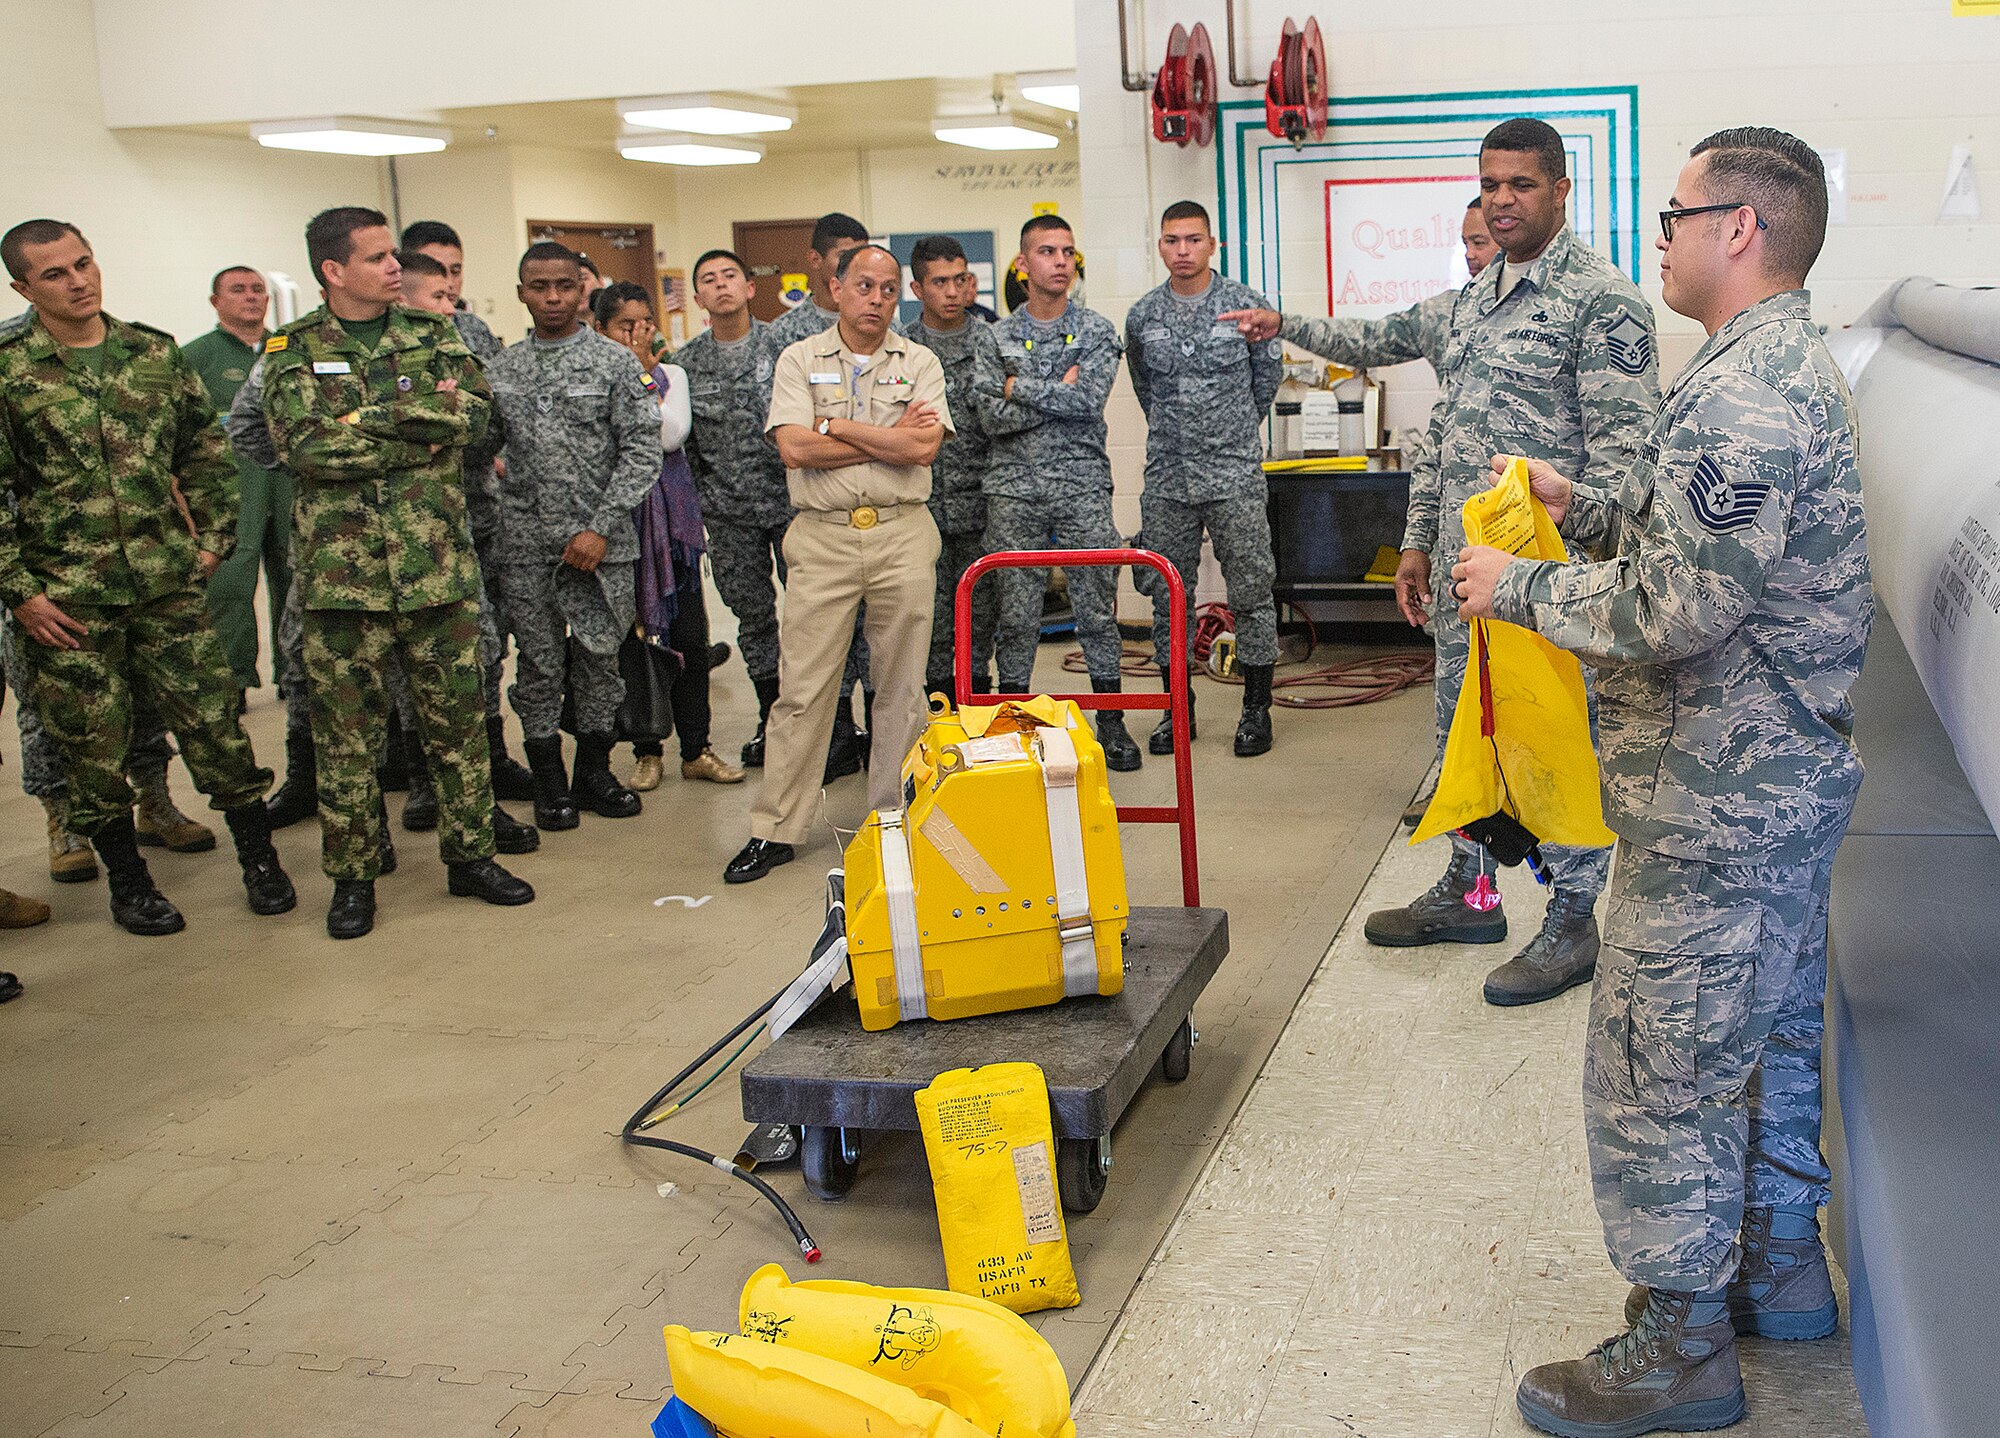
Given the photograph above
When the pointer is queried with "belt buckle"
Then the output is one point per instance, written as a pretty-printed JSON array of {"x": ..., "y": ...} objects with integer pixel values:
[{"x": 864, "y": 518}]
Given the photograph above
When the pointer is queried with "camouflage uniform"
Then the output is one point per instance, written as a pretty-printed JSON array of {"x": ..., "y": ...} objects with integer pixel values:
[
  {"x": 42, "y": 762},
  {"x": 385, "y": 564},
  {"x": 1728, "y": 621},
  {"x": 741, "y": 481},
  {"x": 1051, "y": 476},
  {"x": 482, "y": 509},
  {"x": 582, "y": 440},
  {"x": 1205, "y": 391},
  {"x": 1562, "y": 368},
  {"x": 972, "y": 380},
  {"x": 250, "y": 436},
  {"x": 91, "y": 457}
]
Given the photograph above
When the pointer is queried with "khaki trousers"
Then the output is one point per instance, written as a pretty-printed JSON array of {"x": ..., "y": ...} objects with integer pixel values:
[{"x": 832, "y": 570}]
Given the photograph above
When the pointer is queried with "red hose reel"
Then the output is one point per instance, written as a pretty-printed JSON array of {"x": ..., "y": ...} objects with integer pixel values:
[
  {"x": 1184, "y": 90},
  {"x": 1295, "y": 98}
]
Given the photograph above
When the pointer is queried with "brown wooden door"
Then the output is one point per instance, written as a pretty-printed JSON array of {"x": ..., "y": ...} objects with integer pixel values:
[
  {"x": 772, "y": 249},
  {"x": 620, "y": 252}
]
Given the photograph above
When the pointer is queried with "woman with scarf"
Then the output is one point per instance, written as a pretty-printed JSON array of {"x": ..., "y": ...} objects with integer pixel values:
[{"x": 672, "y": 613}]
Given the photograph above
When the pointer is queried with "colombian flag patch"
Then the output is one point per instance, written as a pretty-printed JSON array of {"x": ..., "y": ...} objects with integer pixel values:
[
  {"x": 649, "y": 382},
  {"x": 276, "y": 343}
]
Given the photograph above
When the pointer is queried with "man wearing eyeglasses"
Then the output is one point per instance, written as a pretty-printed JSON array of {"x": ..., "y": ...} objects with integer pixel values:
[
  {"x": 1727, "y": 616},
  {"x": 1549, "y": 355}
]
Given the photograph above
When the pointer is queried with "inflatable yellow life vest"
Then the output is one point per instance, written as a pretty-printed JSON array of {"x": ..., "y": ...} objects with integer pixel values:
[
  {"x": 974, "y": 1357},
  {"x": 1520, "y": 737},
  {"x": 751, "y": 1389}
]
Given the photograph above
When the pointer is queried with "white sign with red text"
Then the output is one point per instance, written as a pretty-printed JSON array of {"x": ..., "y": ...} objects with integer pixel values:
[{"x": 1393, "y": 241}]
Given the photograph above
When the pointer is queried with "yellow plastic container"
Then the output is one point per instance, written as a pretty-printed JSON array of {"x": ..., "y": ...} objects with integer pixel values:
[{"x": 1001, "y": 884}]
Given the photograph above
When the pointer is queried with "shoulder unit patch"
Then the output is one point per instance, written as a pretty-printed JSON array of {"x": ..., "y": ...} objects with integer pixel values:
[{"x": 1721, "y": 506}]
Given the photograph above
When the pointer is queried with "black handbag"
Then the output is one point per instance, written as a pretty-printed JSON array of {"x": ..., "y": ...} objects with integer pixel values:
[{"x": 647, "y": 711}]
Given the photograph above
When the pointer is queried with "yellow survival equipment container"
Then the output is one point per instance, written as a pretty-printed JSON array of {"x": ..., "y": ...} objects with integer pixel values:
[{"x": 1000, "y": 885}]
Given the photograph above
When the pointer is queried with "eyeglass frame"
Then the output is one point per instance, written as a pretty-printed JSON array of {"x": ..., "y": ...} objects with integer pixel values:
[{"x": 1668, "y": 218}]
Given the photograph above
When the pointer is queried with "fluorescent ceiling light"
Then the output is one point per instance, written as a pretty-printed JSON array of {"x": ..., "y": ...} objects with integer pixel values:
[
  {"x": 1055, "y": 88},
  {"x": 351, "y": 137},
  {"x": 706, "y": 114},
  {"x": 665, "y": 148},
  {"x": 1000, "y": 130}
]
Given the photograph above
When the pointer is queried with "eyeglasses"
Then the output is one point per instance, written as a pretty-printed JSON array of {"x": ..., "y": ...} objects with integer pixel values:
[{"x": 1669, "y": 217}]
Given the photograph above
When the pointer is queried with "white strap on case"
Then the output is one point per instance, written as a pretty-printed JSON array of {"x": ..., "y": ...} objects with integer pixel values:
[
  {"x": 1079, "y": 940},
  {"x": 905, "y": 938}
]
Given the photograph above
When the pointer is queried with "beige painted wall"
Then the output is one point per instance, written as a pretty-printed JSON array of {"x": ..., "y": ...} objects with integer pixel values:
[{"x": 164, "y": 212}]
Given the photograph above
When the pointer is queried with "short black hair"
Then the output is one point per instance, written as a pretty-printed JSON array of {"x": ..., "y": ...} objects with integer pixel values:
[
  {"x": 416, "y": 262},
  {"x": 1187, "y": 210},
  {"x": 14, "y": 244},
  {"x": 1534, "y": 137},
  {"x": 330, "y": 235},
  {"x": 1779, "y": 176},
  {"x": 836, "y": 226},
  {"x": 1044, "y": 222},
  {"x": 933, "y": 249},
  {"x": 215, "y": 281},
  {"x": 840, "y": 266},
  {"x": 546, "y": 250},
  {"x": 419, "y": 233},
  {"x": 587, "y": 263},
  {"x": 1474, "y": 203},
  {"x": 694, "y": 275},
  {"x": 604, "y": 304}
]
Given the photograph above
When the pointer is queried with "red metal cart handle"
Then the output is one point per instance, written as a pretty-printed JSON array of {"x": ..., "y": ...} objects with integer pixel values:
[{"x": 1181, "y": 812}]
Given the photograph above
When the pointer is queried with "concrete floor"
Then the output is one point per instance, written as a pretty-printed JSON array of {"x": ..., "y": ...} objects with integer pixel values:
[{"x": 252, "y": 1181}]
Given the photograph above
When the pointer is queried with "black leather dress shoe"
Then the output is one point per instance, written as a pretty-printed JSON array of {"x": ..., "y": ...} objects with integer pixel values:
[
  {"x": 484, "y": 879},
  {"x": 352, "y": 912},
  {"x": 758, "y": 858}
]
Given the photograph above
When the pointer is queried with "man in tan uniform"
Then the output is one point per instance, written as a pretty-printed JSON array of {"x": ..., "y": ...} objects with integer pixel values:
[{"x": 857, "y": 413}]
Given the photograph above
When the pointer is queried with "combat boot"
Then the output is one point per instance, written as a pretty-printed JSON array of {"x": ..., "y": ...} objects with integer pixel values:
[
  {"x": 1442, "y": 915},
  {"x": 1675, "y": 1370},
  {"x": 484, "y": 879},
  {"x": 1419, "y": 806},
  {"x": 511, "y": 836},
  {"x": 843, "y": 750},
  {"x": 753, "y": 748},
  {"x": 298, "y": 798},
  {"x": 1253, "y": 729},
  {"x": 1782, "y": 1288},
  {"x": 595, "y": 787},
  {"x": 1120, "y": 752},
  {"x": 10, "y": 987},
  {"x": 159, "y": 824},
  {"x": 264, "y": 880},
  {"x": 1161, "y": 740},
  {"x": 136, "y": 905},
  {"x": 351, "y": 913},
  {"x": 555, "y": 806},
  {"x": 420, "y": 810},
  {"x": 511, "y": 781},
  {"x": 1561, "y": 956},
  {"x": 71, "y": 860},
  {"x": 392, "y": 774},
  {"x": 18, "y": 911}
]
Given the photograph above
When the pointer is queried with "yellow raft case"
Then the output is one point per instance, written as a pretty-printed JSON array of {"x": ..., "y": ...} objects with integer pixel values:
[{"x": 1000, "y": 885}]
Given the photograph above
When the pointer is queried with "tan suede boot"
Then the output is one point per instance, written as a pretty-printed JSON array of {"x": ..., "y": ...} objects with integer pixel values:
[
  {"x": 71, "y": 859},
  {"x": 17, "y": 911},
  {"x": 159, "y": 824}
]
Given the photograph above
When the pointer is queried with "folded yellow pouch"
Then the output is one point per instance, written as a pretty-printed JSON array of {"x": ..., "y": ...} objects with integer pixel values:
[{"x": 1520, "y": 737}]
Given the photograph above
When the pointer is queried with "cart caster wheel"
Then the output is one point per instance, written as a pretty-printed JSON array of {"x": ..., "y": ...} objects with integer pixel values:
[
  {"x": 1175, "y": 1056},
  {"x": 1082, "y": 1165},
  {"x": 829, "y": 1159}
]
